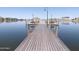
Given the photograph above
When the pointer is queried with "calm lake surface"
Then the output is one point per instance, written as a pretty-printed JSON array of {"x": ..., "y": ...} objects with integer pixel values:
[
  {"x": 12, "y": 34},
  {"x": 69, "y": 34}
]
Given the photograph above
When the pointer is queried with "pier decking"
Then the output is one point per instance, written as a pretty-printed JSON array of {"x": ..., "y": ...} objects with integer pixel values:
[{"x": 42, "y": 39}]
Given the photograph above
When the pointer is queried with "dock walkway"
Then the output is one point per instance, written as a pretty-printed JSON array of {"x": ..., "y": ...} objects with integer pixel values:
[{"x": 42, "y": 39}]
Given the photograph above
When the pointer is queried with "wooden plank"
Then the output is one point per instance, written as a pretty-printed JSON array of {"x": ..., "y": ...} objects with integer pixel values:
[{"x": 42, "y": 39}]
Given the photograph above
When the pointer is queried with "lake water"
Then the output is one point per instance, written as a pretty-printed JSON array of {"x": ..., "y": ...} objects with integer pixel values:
[
  {"x": 69, "y": 34},
  {"x": 12, "y": 34}
]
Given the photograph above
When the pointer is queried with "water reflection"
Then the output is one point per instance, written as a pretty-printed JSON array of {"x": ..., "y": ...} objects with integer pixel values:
[
  {"x": 69, "y": 34},
  {"x": 12, "y": 34},
  {"x": 75, "y": 22}
]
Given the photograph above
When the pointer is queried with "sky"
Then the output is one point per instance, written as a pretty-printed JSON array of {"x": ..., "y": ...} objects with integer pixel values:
[{"x": 28, "y": 12}]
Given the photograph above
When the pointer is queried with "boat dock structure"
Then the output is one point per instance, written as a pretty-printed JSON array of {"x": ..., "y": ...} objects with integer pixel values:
[{"x": 42, "y": 39}]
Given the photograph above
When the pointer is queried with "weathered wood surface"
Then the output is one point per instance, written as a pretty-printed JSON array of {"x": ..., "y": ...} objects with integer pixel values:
[{"x": 42, "y": 39}]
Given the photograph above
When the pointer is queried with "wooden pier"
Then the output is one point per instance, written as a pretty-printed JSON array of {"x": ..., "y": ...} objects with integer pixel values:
[{"x": 42, "y": 39}]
